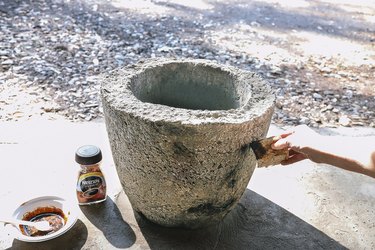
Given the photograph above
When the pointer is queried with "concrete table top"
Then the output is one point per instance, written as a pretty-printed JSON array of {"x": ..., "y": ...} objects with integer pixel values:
[{"x": 304, "y": 206}]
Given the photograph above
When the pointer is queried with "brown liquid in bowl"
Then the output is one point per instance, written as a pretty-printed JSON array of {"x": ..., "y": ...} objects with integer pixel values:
[{"x": 55, "y": 217}]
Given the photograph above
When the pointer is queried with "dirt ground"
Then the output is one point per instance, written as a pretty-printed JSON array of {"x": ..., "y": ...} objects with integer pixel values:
[{"x": 318, "y": 55}]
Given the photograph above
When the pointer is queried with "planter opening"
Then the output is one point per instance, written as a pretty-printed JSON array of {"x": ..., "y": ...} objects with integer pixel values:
[{"x": 188, "y": 86}]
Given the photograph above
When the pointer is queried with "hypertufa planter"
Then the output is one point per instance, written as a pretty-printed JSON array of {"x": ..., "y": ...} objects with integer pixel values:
[{"x": 180, "y": 133}]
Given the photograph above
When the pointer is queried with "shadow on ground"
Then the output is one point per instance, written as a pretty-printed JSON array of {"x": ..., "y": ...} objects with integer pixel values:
[
  {"x": 187, "y": 32},
  {"x": 107, "y": 218},
  {"x": 255, "y": 223},
  {"x": 275, "y": 17}
]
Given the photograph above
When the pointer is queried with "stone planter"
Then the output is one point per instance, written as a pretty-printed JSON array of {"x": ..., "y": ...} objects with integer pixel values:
[{"x": 180, "y": 134}]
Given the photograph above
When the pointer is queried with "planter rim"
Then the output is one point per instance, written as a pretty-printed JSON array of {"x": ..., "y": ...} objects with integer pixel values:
[{"x": 117, "y": 92}]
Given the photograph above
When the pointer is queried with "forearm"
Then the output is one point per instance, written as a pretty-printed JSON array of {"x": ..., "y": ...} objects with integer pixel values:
[
  {"x": 348, "y": 163},
  {"x": 355, "y": 154}
]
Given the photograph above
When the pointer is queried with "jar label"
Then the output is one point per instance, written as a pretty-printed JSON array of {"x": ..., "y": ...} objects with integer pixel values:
[{"x": 91, "y": 187}]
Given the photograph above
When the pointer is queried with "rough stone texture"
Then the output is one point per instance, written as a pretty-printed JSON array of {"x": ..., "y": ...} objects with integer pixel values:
[{"x": 180, "y": 133}]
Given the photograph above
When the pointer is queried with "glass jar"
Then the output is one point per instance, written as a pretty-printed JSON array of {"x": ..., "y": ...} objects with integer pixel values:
[{"x": 91, "y": 186}]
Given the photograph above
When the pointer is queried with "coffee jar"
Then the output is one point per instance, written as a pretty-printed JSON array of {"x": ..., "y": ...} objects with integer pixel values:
[{"x": 91, "y": 185}]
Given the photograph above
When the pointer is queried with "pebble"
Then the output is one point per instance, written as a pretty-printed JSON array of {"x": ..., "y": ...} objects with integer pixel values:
[
  {"x": 317, "y": 96},
  {"x": 304, "y": 120},
  {"x": 344, "y": 121},
  {"x": 349, "y": 93},
  {"x": 328, "y": 92},
  {"x": 95, "y": 61},
  {"x": 61, "y": 47},
  {"x": 7, "y": 62}
]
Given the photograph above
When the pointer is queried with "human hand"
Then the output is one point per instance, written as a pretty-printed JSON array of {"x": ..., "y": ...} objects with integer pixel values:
[
  {"x": 302, "y": 143},
  {"x": 355, "y": 154}
]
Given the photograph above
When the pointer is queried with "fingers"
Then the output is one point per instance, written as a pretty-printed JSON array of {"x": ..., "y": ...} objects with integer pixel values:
[
  {"x": 294, "y": 141},
  {"x": 293, "y": 159},
  {"x": 278, "y": 137},
  {"x": 281, "y": 144}
]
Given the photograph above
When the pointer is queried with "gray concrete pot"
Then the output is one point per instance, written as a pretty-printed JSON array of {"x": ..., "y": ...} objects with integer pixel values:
[{"x": 180, "y": 134}]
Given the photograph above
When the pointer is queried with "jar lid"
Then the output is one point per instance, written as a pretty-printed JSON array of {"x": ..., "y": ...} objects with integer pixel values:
[{"x": 88, "y": 155}]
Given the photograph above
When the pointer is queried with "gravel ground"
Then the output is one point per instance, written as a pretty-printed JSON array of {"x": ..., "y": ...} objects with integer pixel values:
[{"x": 319, "y": 56}]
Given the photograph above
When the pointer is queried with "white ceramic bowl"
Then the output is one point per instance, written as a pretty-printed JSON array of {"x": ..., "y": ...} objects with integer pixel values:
[{"x": 69, "y": 209}]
